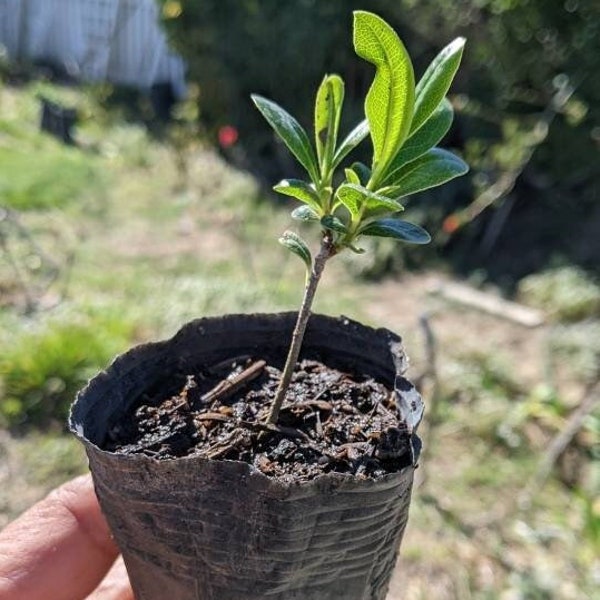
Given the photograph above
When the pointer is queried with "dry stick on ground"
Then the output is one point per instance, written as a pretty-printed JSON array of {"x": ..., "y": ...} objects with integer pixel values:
[
  {"x": 522, "y": 501},
  {"x": 488, "y": 303},
  {"x": 562, "y": 439}
]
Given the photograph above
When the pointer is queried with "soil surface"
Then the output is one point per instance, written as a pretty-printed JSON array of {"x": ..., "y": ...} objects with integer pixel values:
[{"x": 330, "y": 422}]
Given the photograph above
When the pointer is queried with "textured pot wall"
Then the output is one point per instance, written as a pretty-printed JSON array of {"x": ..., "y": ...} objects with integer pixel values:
[{"x": 192, "y": 529}]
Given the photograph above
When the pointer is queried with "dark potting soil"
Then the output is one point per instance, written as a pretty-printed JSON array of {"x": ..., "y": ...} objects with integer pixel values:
[{"x": 330, "y": 422}]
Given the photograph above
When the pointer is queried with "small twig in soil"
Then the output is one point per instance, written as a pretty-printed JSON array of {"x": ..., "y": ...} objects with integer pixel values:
[
  {"x": 183, "y": 402},
  {"x": 380, "y": 408},
  {"x": 220, "y": 448},
  {"x": 325, "y": 389},
  {"x": 318, "y": 424},
  {"x": 212, "y": 416},
  {"x": 228, "y": 387}
]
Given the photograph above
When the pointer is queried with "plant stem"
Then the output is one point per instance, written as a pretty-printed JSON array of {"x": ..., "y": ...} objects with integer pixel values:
[{"x": 325, "y": 253}]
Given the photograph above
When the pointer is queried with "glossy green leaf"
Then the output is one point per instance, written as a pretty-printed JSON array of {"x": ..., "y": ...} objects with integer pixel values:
[
  {"x": 305, "y": 213},
  {"x": 356, "y": 198},
  {"x": 334, "y": 224},
  {"x": 424, "y": 139},
  {"x": 290, "y": 131},
  {"x": 301, "y": 190},
  {"x": 430, "y": 170},
  {"x": 390, "y": 100},
  {"x": 352, "y": 176},
  {"x": 328, "y": 109},
  {"x": 435, "y": 83},
  {"x": 363, "y": 172},
  {"x": 293, "y": 242},
  {"x": 355, "y": 137},
  {"x": 351, "y": 196},
  {"x": 397, "y": 229}
]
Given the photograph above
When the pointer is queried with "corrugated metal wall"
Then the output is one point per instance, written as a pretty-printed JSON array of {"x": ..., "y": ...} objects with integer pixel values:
[{"x": 113, "y": 40}]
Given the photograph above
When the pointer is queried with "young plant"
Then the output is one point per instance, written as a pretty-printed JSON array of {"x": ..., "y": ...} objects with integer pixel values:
[{"x": 405, "y": 122}]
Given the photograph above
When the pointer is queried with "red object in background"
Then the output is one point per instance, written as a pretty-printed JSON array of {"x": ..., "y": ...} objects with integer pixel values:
[
  {"x": 451, "y": 224},
  {"x": 228, "y": 136}
]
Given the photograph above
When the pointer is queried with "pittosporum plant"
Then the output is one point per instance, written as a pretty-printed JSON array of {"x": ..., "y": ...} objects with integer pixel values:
[{"x": 405, "y": 122}]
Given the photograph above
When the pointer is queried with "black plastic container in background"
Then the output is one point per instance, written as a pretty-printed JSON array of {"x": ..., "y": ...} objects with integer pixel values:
[{"x": 194, "y": 529}]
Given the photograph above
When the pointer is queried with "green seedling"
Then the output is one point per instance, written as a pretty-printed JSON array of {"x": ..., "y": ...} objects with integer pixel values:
[{"x": 405, "y": 123}]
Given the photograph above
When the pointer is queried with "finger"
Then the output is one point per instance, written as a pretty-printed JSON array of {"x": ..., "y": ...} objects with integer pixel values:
[
  {"x": 115, "y": 586},
  {"x": 59, "y": 549}
]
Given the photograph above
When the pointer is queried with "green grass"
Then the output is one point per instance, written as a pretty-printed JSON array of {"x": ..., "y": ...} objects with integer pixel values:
[
  {"x": 53, "y": 179},
  {"x": 36, "y": 171},
  {"x": 42, "y": 368}
]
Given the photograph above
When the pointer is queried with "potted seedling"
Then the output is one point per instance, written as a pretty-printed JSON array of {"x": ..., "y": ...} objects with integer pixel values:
[{"x": 233, "y": 464}]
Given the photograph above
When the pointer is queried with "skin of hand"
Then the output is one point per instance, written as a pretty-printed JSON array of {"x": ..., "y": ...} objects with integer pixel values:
[{"x": 61, "y": 549}]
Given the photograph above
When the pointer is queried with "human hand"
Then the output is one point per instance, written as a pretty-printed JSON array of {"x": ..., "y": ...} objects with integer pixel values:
[{"x": 62, "y": 549}]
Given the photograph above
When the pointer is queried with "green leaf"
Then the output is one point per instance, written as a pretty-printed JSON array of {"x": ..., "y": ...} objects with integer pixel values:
[
  {"x": 334, "y": 224},
  {"x": 352, "y": 176},
  {"x": 435, "y": 83},
  {"x": 328, "y": 109},
  {"x": 390, "y": 100},
  {"x": 356, "y": 198},
  {"x": 355, "y": 137},
  {"x": 304, "y": 213},
  {"x": 290, "y": 131},
  {"x": 430, "y": 170},
  {"x": 293, "y": 242},
  {"x": 424, "y": 139},
  {"x": 301, "y": 190},
  {"x": 397, "y": 229},
  {"x": 363, "y": 172},
  {"x": 351, "y": 196}
]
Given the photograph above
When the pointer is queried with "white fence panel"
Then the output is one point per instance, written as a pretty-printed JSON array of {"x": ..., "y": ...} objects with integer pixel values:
[
  {"x": 11, "y": 23},
  {"x": 115, "y": 40}
]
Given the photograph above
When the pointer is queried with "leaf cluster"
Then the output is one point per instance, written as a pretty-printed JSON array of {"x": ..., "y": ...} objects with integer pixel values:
[{"x": 405, "y": 121}]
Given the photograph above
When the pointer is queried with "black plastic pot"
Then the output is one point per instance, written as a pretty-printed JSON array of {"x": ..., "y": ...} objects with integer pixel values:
[{"x": 194, "y": 529}]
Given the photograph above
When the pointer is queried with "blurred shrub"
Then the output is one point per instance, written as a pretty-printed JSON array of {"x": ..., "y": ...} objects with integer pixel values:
[
  {"x": 41, "y": 370},
  {"x": 566, "y": 294},
  {"x": 60, "y": 176},
  {"x": 577, "y": 345}
]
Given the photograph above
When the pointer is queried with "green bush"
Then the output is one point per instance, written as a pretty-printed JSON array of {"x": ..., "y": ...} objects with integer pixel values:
[
  {"x": 566, "y": 294},
  {"x": 41, "y": 370}
]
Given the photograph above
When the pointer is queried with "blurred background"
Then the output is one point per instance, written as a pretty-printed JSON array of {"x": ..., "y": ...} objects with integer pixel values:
[{"x": 135, "y": 180}]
